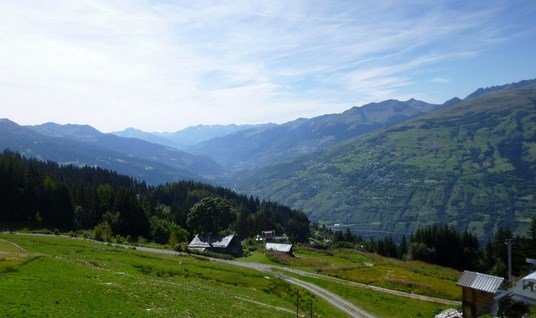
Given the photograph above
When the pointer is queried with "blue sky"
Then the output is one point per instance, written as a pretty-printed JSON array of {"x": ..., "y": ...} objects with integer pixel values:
[{"x": 165, "y": 65}]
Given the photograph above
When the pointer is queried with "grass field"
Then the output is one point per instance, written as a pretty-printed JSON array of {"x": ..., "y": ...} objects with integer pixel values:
[
  {"x": 377, "y": 303},
  {"x": 62, "y": 277},
  {"x": 408, "y": 276}
]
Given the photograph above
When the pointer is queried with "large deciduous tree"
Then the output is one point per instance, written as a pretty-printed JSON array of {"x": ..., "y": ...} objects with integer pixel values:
[{"x": 210, "y": 215}]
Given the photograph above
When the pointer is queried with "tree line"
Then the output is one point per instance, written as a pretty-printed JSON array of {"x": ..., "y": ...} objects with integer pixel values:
[
  {"x": 40, "y": 194},
  {"x": 446, "y": 246}
]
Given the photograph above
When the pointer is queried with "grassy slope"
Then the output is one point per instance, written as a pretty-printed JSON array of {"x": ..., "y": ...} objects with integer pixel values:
[
  {"x": 356, "y": 266},
  {"x": 380, "y": 304},
  {"x": 352, "y": 265},
  {"x": 62, "y": 277},
  {"x": 472, "y": 165}
]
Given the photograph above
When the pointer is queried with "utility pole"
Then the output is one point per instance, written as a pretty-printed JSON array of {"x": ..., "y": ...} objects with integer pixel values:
[
  {"x": 508, "y": 242},
  {"x": 311, "y": 307}
]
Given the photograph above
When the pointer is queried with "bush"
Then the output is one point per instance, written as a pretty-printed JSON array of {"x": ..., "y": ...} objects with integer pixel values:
[
  {"x": 180, "y": 248},
  {"x": 320, "y": 245},
  {"x": 120, "y": 239},
  {"x": 103, "y": 232},
  {"x": 249, "y": 245},
  {"x": 343, "y": 244}
]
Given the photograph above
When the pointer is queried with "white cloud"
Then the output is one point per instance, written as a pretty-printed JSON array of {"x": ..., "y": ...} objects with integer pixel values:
[{"x": 162, "y": 66}]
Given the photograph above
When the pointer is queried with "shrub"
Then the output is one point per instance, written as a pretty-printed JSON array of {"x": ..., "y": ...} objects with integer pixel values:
[{"x": 103, "y": 232}]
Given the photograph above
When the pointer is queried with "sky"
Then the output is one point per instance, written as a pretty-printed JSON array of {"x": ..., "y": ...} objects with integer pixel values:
[{"x": 165, "y": 65}]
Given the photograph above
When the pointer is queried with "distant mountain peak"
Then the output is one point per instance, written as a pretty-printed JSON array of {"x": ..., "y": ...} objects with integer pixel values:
[
  {"x": 496, "y": 88},
  {"x": 7, "y": 121},
  {"x": 58, "y": 130},
  {"x": 452, "y": 101},
  {"x": 9, "y": 124}
]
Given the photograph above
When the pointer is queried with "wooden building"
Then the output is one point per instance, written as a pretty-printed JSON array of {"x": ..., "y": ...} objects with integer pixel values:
[
  {"x": 478, "y": 293},
  {"x": 268, "y": 236},
  {"x": 229, "y": 244}
]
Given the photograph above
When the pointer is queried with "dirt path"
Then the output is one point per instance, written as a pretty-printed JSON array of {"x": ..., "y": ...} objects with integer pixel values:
[
  {"x": 371, "y": 287},
  {"x": 266, "y": 305}
]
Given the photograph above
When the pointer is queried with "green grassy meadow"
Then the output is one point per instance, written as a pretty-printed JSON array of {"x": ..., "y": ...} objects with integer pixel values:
[
  {"x": 377, "y": 303},
  {"x": 361, "y": 267},
  {"x": 62, "y": 277}
]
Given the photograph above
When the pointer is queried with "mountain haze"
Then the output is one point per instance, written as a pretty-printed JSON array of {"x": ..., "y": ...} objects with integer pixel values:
[
  {"x": 147, "y": 136},
  {"x": 187, "y": 136},
  {"x": 472, "y": 165},
  {"x": 132, "y": 147}
]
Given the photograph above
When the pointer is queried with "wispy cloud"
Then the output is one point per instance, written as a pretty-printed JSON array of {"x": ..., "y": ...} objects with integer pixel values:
[
  {"x": 440, "y": 80},
  {"x": 164, "y": 65}
]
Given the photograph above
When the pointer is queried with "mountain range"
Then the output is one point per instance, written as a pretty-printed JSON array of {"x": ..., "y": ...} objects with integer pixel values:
[
  {"x": 471, "y": 165},
  {"x": 267, "y": 145},
  {"x": 388, "y": 166},
  {"x": 83, "y": 145},
  {"x": 185, "y": 137}
]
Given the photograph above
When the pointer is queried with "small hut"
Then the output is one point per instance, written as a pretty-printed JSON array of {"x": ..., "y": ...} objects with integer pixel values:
[
  {"x": 478, "y": 293},
  {"x": 279, "y": 247}
]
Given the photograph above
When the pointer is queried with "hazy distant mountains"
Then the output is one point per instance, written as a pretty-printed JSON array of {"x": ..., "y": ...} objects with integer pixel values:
[
  {"x": 472, "y": 165},
  {"x": 84, "y": 145},
  {"x": 187, "y": 136}
]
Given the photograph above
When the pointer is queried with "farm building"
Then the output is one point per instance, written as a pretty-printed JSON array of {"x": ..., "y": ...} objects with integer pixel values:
[
  {"x": 279, "y": 247},
  {"x": 268, "y": 235},
  {"x": 216, "y": 243},
  {"x": 524, "y": 291},
  {"x": 478, "y": 295}
]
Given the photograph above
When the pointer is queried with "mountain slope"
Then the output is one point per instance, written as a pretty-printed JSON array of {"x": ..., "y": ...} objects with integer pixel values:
[
  {"x": 472, "y": 165},
  {"x": 266, "y": 145},
  {"x": 69, "y": 151},
  {"x": 196, "y": 164}
]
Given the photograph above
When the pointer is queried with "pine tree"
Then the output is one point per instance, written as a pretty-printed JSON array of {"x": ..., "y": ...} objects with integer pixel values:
[{"x": 532, "y": 230}]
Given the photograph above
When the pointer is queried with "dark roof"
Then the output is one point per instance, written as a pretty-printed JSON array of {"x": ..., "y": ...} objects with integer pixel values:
[
  {"x": 208, "y": 241},
  {"x": 483, "y": 282}
]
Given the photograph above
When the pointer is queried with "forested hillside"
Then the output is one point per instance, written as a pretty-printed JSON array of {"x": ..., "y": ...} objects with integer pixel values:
[
  {"x": 41, "y": 194},
  {"x": 471, "y": 165}
]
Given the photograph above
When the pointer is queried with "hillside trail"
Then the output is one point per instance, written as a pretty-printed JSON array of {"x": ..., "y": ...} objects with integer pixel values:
[{"x": 276, "y": 270}]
